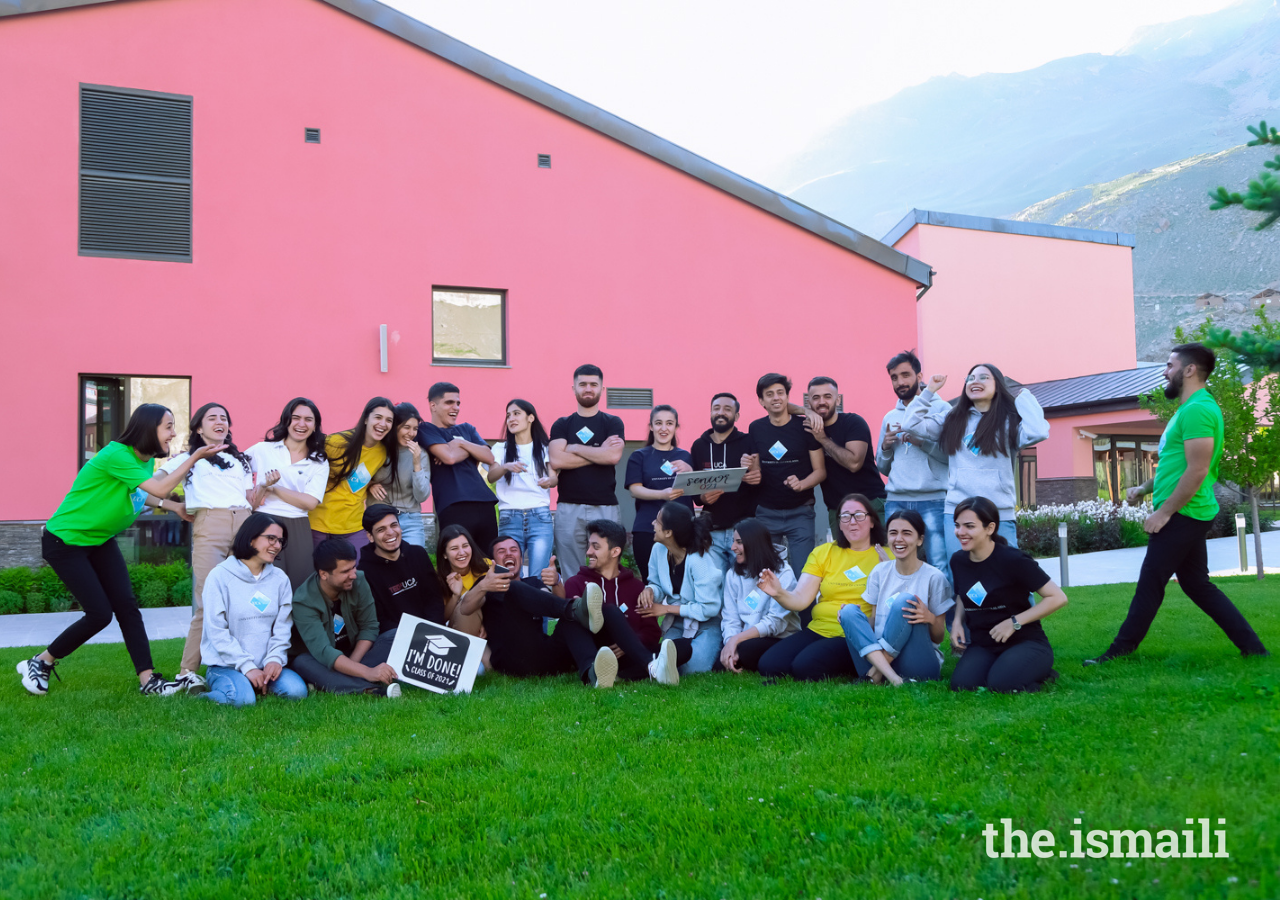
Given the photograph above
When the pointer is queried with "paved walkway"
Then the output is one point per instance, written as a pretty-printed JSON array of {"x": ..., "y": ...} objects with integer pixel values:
[
  {"x": 38, "y": 629},
  {"x": 1122, "y": 566}
]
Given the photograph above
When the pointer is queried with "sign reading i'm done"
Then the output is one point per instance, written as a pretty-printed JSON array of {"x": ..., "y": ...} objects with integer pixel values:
[{"x": 434, "y": 657}]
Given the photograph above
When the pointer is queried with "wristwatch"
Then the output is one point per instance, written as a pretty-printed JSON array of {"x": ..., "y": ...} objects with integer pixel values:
[{"x": 1017, "y": 626}]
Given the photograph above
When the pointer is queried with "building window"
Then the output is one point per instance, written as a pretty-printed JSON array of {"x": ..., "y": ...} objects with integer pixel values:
[
  {"x": 468, "y": 327},
  {"x": 107, "y": 401},
  {"x": 135, "y": 174},
  {"x": 1123, "y": 461}
]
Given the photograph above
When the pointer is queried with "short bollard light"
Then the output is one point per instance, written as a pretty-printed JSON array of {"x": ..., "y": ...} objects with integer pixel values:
[
  {"x": 1244, "y": 545},
  {"x": 1062, "y": 554}
]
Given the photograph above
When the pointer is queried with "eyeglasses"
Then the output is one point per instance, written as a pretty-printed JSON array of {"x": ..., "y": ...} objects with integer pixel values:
[
  {"x": 972, "y": 378},
  {"x": 272, "y": 539},
  {"x": 854, "y": 517}
]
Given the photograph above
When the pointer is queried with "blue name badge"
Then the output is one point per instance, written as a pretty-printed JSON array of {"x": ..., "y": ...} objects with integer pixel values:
[
  {"x": 337, "y": 625},
  {"x": 778, "y": 450},
  {"x": 854, "y": 574},
  {"x": 139, "y": 500},
  {"x": 585, "y": 434},
  {"x": 977, "y": 593},
  {"x": 259, "y": 601},
  {"x": 357, "y": 480},
  {"x": 971, "y": 442},
  {"x": 668, "y": 468},
  {"x": 753, "y": 599}
]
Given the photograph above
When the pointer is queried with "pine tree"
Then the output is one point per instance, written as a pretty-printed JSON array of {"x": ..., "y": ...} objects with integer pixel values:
[{"x": 1263, "y": 194}]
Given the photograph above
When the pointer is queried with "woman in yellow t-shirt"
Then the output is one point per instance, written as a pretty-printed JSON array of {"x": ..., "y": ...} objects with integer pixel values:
[
  {"x": 461, "y": 566},
  {"x": 835, "y": 574},
  {"x": 355, "y": 456}
]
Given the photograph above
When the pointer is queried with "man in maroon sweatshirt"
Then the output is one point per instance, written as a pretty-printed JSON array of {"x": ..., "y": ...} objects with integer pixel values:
[{"x": 621, "y": 586}]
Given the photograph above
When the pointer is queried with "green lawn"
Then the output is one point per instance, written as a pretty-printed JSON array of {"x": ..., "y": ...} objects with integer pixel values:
[{"x": 718, "y": 788}]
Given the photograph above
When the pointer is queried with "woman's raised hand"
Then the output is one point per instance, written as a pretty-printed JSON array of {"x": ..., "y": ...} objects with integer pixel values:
[
  {"x": 937, "y": 383},
  {"x": 769, "y": 583}
]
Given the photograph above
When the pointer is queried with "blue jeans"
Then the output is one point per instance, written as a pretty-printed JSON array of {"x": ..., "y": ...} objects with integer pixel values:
[
  {"x": 533, "y": 531},
  {"x": 706, "y": 648},
  {"x": 720, "y": 541},
  {"x": 229, "y": 687},
  {"x": 412, "y": 529},
  {"x": 796, "y": 525},
  {"x": 907, "y": 645},
  {"x": 936, "y": 530}
]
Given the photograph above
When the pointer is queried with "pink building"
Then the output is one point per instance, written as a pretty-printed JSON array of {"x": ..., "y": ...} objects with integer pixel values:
[{"x": 234, "y": 200}]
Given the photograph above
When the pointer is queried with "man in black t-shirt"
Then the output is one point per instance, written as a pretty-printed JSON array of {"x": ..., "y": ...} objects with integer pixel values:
[
  {"x": 400, "y": 575},
  {"x": 723, "y": 446},
  {"x": 791, "y": 464},
  {"x": 585, "y": 448},
  {"x": 846, "y": 443}
]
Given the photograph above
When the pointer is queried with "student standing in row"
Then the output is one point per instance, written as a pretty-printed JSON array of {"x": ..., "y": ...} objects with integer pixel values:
[
  {"x": 791, "y": 465},
  {"x": 461, "y": 495},
  {"x": 916, "y": 468},
  {"x": 355, "y": 456},
  {"x": 218, "y": 492},
  {"x": 522, "y": 477},
  {"x": 585, "y": 448},
  {"x": 291, "y": 472},
  {"x": 79, "y": 543},
  {"x": 845, "y": 439},
  {"x": 650, "y": 473},
  {"x": 723, "y": 446},
  {"x": 407, "y": 485}
]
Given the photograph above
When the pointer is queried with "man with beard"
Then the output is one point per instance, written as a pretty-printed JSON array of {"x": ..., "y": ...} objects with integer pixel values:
[
  {"x": 916, "y": 468},
  {"x": 1190, "y": 450},
  {"x": 723, "y": 446},
  {"x": 585, "y": 447},
  {"x": 845, "y": 439}
]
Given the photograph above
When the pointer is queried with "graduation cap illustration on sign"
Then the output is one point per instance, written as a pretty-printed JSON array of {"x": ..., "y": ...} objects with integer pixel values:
[{"x": 439, "y": 644}]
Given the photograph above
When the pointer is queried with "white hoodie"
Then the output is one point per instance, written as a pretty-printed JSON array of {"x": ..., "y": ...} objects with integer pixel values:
[{"x": 248, "y": 621}]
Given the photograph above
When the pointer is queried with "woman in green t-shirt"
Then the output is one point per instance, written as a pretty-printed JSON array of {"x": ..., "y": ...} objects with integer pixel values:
[{"x": 79, "y": 543}]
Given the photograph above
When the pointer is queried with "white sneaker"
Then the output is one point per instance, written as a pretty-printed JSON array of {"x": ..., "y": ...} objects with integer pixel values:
[
  {"x": 393, "y": 691},
  {"x": 604, "y": 671},
  {"x": 588, "y": 610},
  {"x": 662, "y": 668},
  {"x": 190, "y": 683},
  {"x": 35, "y": 675}
]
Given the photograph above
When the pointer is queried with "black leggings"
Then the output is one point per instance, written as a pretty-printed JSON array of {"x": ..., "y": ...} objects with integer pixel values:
[
  {"x": 1003, "y": 668},
  {"x": 808, "y": 656},
  {"x": 477, "y": 516},
  {"x": 749, "y": 653},
  {"x": 96, "y": 576}
]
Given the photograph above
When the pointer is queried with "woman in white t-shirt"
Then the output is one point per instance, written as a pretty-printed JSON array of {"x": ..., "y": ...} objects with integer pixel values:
[
  {"x": 523, "y": 478},
  {"x": 217, "y": 496},
  {"x": 291, "y": 471}
]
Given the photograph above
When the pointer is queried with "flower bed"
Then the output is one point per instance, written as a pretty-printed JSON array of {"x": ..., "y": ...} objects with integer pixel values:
[{"x": 1092, "y": 525}]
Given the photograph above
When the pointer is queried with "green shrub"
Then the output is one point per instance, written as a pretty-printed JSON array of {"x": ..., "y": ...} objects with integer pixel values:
[
  {"x": 59, "y": 604},
  {"x": 173, "y": 572},
  {"x": 153, "y": 594},
  {"x": 49, "y": 584},
  {"x": 37, "y": 602},
  {"x": 19, "y": 579},
  {"x": 180, "y": 593},
  {"x": 10, "y": 603}
]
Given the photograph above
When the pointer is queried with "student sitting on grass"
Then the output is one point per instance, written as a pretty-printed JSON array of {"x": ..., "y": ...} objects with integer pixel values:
[
  {"x": 911, "y": 599},
  {"x": 835, "y": 575},
  {"x": 686, "y": 585},
  {"x": 752, "y": 621},
  {"x": 248, "y": 619},
  {"x": 400, "y": 574},
  {"x": 336, "y": 646},
  {"x": 1009, "y": 649},
  {"x": 461, "y": 566}
]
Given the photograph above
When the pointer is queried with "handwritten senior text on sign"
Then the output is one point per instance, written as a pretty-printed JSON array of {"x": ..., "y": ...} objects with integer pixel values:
[
  {"x": 709, "y": 480},
  {"x": 434, "y": 657}
]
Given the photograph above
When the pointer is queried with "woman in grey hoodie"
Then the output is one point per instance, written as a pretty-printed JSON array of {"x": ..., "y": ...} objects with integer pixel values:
[
  {"x": 981, "y": 435},
  {"x": 407, "y": 484},
  {"x": 752, "y": 621},
  {"x": 248, "y": 619}
]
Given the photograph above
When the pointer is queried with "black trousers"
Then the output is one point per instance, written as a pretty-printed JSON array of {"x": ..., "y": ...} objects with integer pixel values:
[
  {"x": 477, "y": 516},
  {"x": 513, "y": 625},
  {"x": 323, "y": 678},
  {"x": 633, "y": 665},
  {"x": 1003, "y": 667},
  {"x": 1179, "y": 549},
  {"x": 641, "y": 547},
  {"x": 808, "y": 656},
  {"x": 749, "y": 653},
  {"x": 97, "y": 577}
]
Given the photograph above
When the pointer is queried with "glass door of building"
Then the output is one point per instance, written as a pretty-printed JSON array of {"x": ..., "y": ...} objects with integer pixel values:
[{"x": 1121, "y": 462}]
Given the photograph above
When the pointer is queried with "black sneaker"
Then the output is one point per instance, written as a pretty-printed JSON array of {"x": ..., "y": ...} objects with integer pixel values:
[
  {"x": 35, "y": 675},
  {"x": 1106, "y": 657},
  {"x": 159, "y": 686}
]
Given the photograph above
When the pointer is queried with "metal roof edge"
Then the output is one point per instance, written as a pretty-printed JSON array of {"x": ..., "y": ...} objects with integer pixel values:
[
  {"x": 1005, "y": 226},
  {"x": 507, "y": 76}
]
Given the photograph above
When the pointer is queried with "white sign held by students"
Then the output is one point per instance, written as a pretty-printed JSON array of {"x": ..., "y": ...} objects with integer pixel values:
[
  {"x": 709, "y": 480},
  {"x": 434, "y": 657}
]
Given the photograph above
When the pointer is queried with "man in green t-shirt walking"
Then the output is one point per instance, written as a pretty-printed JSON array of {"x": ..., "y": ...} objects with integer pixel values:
[{"x": 1190, "y": 450}]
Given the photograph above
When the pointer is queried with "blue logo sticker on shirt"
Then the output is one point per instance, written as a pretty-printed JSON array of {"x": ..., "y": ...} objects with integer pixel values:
[
  {"x": 585, "y": 434},
  {"x": 970, "y": 442},
  {"x": 668, "y": 468},
  {"x": 977, "y": 593},
  {"x": 260, "y": 602},
  {"x": 753, "y": 599},
  {"x": 854, "y": 574},
  {"x": 358, "y": 479},
  {"x": 337, "y": 625},
  {"x": 139, "y": 500},
  {"x": 778, "y": 450}
]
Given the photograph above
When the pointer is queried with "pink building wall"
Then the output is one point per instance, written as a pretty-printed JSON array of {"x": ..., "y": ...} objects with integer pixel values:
[
  {"x": 1067, "y": 453},
  {"x": 426, "y": 175}
]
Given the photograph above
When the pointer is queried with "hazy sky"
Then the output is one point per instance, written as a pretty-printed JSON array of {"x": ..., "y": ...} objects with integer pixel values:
[{"x": 748, "y": 83}]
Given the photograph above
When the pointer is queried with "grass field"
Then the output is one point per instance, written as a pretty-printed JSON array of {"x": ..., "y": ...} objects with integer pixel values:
[{"x": 719, "y": 788}]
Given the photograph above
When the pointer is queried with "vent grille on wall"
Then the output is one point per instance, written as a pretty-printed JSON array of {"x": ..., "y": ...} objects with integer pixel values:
[
  {"x": 312, "y": 136},
  {"x": 544, "y": 160},
  {"x": 629, "y": 398},
  {"x": 135, "y": 174}
]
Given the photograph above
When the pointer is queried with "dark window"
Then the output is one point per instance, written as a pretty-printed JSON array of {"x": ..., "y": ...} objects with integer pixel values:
[
  {"x": 135, "y": 174},
  {"x": 544, "y": 160},
  {"x": 468, "y": 327},
  {"x": 107, "y": 401}
]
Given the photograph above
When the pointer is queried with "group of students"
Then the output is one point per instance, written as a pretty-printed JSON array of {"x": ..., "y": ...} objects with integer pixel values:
[{"x": 308, "y": 548}]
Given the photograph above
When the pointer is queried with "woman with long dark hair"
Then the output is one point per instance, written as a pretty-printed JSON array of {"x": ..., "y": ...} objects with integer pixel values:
[
  {"x": 911, "y": 599},
  {"x": 651, "y": 471},
  {"x": 981, "y": 436},
  {"x": 291, "y": 472},
  {"x": 461, "y": 565},
  {"x": 752, "y": 621},
  {"x": 405, "y": 483},
  {"x": 687, "y": 586},
  {"x": 522, "y": 477},
  {"x": 996, "y": 628},
  {"x": 355, "y": 456},
  {"x": 218, "y": 495},
  {"x": 79, "y": 542},
  {"x": 835, "y": 575}
]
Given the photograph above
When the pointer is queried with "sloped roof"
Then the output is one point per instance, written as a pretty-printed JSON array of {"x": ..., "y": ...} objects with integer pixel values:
[
  {"x": 467, "y": 57},
  {"x": 1097, "y": 393},
  {"x": 1004, "y": 226}
]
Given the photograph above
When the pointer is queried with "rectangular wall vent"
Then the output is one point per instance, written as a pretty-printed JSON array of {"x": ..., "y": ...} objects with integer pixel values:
[
  {"x": 629, "y": 398},
  {"x": 313, "y": 136},
  {"x": 544, "y": 160}
]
